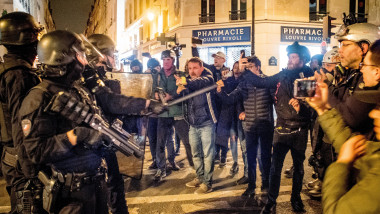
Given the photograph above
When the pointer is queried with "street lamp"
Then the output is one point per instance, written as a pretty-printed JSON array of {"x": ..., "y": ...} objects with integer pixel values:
[{"x": 150, "y": 16}]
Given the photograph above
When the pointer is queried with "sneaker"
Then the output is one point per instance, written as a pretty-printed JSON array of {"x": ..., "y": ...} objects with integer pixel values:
[
  {"x": 312, "y": 184},
  {"x": 194, "y": 183},
  {"x": 203, "y": 189},
  {"x": 316, "y": 192},
  {"x": 249, "y": 192},
  {"x": 289, "y": 172},
  {"x": 153, "y": 165},
  {"x": 222, "y": 164},
  {"x": 160, "y": 174},
  {"x": 234, "y": 169},
  {"x": 297, "y": 204},
  {"x": 242, "y": 180},
  {"x": 173, "y": 166},
  {"x": 269, "y": 208}
]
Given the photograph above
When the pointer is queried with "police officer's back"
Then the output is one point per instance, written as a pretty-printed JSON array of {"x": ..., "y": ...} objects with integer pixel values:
[{"x": 18, "y": 33}]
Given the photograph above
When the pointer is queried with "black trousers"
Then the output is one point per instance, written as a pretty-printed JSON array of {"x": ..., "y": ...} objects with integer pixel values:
[{"x": 91, "y": 199}]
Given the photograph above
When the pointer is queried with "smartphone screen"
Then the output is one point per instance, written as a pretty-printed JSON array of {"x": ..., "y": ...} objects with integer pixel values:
[{"x": 304, "y": 88}]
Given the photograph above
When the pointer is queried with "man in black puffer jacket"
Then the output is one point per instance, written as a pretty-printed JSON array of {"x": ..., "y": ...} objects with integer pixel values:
[
  {"x": 293, "y": 120},
  {"x": 257, "y": 125}
]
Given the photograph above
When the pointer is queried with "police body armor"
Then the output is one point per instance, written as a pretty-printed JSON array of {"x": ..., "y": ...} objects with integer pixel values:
[
  {"x": 27, "y": 200},
  {"x": 5, "y": 115}
]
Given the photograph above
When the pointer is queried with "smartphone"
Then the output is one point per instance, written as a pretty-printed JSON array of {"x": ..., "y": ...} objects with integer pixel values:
[
  {"x": 304, "y": 88},
  {"x": 242, "y": 53}
]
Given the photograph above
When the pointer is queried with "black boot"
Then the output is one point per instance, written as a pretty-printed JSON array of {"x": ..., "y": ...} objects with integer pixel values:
[
  {"x": 297, "y": 204},
  {"x": 269, "y": 208}
]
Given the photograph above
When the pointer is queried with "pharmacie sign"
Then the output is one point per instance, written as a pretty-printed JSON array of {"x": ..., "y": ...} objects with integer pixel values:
[
  {"x": 220, "y": 35},
  {"x": 301, "y": 34}
]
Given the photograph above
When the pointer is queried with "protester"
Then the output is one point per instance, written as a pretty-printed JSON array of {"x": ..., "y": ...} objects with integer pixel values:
[
  {"x": 257, "y": 124},
  {"x": 202, "y": 120}
]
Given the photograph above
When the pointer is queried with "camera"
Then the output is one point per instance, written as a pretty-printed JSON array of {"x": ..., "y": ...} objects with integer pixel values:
[
  {"x": 196, "y": 40},
  {"x": 304, "y": 88}
]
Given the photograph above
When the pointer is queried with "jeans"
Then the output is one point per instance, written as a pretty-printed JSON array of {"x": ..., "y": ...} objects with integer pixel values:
[
  {"x": 165, "y": 138},
  {"x": 261, "y": 137},
  {"x": 281, "y": 146},
  {"x": 202, "y": 141},
  {"x": 221, "y": 152},
  {"x": 243, "y": 146},
  {"x": 233, "y": 145},
  {"x": 182, "y": 131},
  {"x": 177, "y": 142},
  {"x": 152, "y": 135}
]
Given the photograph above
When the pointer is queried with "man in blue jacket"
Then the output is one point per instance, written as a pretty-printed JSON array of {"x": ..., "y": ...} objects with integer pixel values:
[{"x": 202, "y": 119}]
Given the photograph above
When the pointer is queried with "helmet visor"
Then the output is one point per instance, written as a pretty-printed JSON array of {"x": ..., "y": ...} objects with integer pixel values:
[{"x": 91, "y": 49}]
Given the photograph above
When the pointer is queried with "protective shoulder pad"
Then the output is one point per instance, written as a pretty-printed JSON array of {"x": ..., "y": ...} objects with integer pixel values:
[
  {"x": 14, "y": 64},
  {"x": 34, "y": 99}
]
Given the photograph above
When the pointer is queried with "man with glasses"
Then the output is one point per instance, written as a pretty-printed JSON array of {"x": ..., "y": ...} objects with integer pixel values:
[
  {"x": 350, "y": 182},
  {"x": 354, "y": 44}
]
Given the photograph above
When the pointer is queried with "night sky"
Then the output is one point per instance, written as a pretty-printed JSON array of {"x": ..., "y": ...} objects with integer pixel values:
[{"x": 71, "y": 14}]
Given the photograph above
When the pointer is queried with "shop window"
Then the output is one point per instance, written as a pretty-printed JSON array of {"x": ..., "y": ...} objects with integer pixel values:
[
  {"x": 232, "y": 53},
  {"x": 317, "y": 10},
  {"x": 358, "y": 10},
  {"x": 238, "y": 10},
  {"x": 207, "y": 11}
]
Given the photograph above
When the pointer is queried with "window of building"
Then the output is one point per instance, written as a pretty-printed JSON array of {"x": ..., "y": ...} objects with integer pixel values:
[
  {"x": 232, "y": 53},
  {"x": 126, "y": 17},
  {"x": 358, "y": 9},
  {"x": 236, "y": 13},
  {"x": 317, "y": 10},
  {"x": 165, "y": 21},
  {"x": 207, "y": 11},
  {"x": 130, "y": 14},
  {"x": 141, "y": 7},
  {"x": 135, "y": 10},
  {"x": 147, "y": 3}
]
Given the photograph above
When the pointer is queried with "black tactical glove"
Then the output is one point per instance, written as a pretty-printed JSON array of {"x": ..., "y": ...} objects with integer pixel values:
[
  {"x": 69, "y": 107},
  {"x": 156, "y": 107},
  {"x": 92, "y": 81},
  {"x": 91, "y": 138}
]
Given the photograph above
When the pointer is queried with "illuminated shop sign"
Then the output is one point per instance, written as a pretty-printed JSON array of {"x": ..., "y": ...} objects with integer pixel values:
[
  {"x": 301, "y": 34},
  {"x": 221, "y": 35}
]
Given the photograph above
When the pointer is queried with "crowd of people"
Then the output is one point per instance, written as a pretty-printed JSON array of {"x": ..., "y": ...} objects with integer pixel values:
[{"x": 50, "y": 150}]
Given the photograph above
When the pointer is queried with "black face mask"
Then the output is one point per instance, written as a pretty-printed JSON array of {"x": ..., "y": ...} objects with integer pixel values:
[{"x": 28, "y": 52}]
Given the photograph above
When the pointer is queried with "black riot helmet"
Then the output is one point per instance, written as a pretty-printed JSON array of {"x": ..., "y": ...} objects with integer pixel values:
[
  {"x": 103, "y": 43},
  {"x": 57, "y": 49},
  {"x": 301, "y": 50},
  {"x": 18, "y": 28}
]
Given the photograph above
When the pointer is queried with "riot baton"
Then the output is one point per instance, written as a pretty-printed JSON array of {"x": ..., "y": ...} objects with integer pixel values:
[{"x": 191, "y": 95}]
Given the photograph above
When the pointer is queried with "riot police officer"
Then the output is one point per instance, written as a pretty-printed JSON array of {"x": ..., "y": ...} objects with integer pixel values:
[
  {"x": 102, "y": 63},
  {"x": 18, "y": 33},
  {"x": 72, "y": 151}
]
